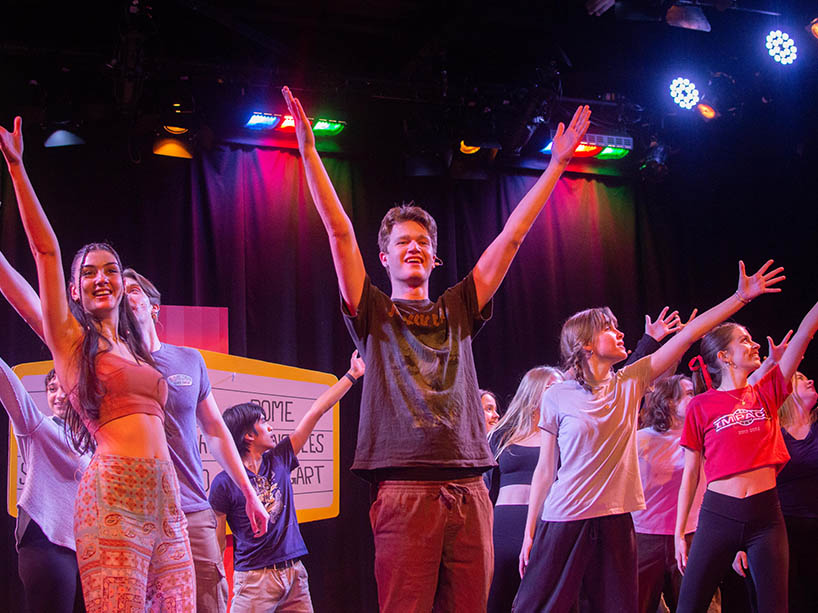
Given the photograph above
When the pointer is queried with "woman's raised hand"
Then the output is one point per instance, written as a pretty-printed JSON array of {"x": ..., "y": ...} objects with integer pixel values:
[
  {"x": 11, "y": 143},
  {"x": 303, "y": 129},
  {"x": 761, "y": 282},
  {"x": 566, "y": 140}
]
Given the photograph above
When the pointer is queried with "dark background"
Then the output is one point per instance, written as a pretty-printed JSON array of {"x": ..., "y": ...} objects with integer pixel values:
[{"x": 235, "y": 226}]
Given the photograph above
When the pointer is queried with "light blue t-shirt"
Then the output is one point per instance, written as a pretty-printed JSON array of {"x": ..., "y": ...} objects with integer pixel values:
[
  {"x": 53, "y": 469},
  {"x": 188, "y": 384}
]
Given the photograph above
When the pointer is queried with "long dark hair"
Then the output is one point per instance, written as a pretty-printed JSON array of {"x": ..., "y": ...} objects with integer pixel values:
[{"x": 89, "y": 389}]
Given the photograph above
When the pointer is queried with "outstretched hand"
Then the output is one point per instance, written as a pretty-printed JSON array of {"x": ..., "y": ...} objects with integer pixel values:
[
  {"x": 303, "y": 129},
  {"x": 567, "y": 140},
  {"x": 761, "y": 282},
  {"x": 665, "y": 324},
  {"x": 776, "y": 352},
  {"x": 357, "y": 367},
  {"x": 11, "y": 143}
]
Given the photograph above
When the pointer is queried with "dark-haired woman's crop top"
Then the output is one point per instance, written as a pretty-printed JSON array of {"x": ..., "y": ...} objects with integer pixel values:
[
  {"x": 517, "y": 464},
  {"x": 129, "y": 388}
]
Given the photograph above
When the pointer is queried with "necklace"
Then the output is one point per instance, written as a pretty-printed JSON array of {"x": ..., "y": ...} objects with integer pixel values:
[{"x": 736, "y": 398}]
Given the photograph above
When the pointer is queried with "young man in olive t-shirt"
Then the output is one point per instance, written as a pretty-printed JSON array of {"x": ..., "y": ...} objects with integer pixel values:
[{"x": 421, "y": 438}]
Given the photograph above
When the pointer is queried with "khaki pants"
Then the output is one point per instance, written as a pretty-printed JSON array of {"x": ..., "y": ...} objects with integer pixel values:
[
  {"x": 284, "y": 590},
  {"x": 211, "y": 583}
]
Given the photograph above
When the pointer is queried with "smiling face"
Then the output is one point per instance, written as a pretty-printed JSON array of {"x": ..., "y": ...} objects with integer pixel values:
[
  {"x": 741, "y": 352},
  {"x": 490, "y": 410},
  {"x": 97, "y": 284},
  {"x": 409, "y": 257},
  {"x": 57, "y": 398}
]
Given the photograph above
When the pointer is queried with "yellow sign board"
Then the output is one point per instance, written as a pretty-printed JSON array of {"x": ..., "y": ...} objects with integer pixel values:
[{"x": 285, "y": 393}]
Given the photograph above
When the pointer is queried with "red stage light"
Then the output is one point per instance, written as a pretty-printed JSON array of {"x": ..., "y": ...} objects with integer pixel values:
[
  {"x": 587, "y": 151},
  {"x": 287, "y": 124}
]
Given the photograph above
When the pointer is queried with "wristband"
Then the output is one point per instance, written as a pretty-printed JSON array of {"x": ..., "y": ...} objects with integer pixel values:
[
  {"x": 742, "y": 298},
  {"x": 351, "y": 378}
]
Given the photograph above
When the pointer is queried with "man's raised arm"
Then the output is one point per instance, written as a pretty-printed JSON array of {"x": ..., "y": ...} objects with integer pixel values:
[
  {"x": 349, "y": 266},
  {"x": 493, "y": 265}
]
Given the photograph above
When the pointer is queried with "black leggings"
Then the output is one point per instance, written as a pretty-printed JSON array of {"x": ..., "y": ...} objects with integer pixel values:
[
  {"x": 49, "y": 574},
  {"x": 509, "y": 527},
  {"x": 728, "y": 525}
]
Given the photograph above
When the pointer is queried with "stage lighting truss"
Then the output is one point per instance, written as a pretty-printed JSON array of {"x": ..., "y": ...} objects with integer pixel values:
[
  {"x": 599, "y": 146},
  {"x": 684, "y": 92},
  {"x": 781, "y": 47},
  {"x": 284, "y": 123}
]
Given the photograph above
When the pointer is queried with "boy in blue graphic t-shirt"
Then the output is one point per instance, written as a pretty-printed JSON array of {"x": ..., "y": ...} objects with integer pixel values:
[{"x": 268, "y": 572}]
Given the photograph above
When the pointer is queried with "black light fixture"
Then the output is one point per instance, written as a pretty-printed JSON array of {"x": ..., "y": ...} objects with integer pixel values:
[
  {"x": 654, "y": 168},
  {"x": 720, "y": 98}
]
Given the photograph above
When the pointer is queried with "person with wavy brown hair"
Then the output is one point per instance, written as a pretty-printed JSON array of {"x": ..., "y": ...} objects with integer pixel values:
[
  {"x": 421, "y": 437},
  {"x": 661, "y": 462}
]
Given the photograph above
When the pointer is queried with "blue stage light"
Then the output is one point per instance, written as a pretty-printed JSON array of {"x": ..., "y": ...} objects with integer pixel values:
[
  {"x": 262, "y": 121},
  {"x": 781, "y": 47},
  {"x": 684, "y": 92}
]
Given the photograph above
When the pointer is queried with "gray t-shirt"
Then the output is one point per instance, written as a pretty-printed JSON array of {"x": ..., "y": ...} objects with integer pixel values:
[
  {"x": 53, "y": 469},
  {"x": 596, "y": 441},
  {"x": 188, "y": 384},
  {"x": 420, "y": 406}
]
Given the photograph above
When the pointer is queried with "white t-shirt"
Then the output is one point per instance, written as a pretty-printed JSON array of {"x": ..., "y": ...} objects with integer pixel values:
[
  {"x": 661, "y": 464},
  {"x": 596, "y": 439}
]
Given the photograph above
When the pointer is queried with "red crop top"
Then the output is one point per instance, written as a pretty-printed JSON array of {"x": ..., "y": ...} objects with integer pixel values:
[
  {"x": 738, "y": 430},
  {"x": 130, "y": 388}
]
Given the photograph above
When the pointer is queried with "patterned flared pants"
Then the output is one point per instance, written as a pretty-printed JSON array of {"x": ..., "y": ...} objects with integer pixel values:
[{"x": 132, "y": 542}]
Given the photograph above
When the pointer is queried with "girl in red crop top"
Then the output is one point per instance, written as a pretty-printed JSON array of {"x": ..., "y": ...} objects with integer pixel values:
[
  {"x": 732, "y": 426},
  {"x": 100, "y": 358}
]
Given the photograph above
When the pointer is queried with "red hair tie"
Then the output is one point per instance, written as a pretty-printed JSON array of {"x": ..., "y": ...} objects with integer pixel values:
[{"x": 697, "y": 363}]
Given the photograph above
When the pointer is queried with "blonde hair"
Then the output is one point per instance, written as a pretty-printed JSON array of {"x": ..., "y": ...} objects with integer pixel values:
[
  {"x": 577, "y": 332},
  {"x": 789, "y": 407},
  {"x": 518, "y": 421}
]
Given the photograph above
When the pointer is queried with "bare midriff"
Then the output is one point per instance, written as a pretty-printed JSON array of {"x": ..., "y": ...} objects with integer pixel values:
[
  {"x": 518, "y": 493},
  {"x": 138, "y": 435},
  {"x": 745, "y": 484}
]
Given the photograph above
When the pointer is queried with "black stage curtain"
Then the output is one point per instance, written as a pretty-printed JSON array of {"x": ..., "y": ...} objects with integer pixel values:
[{"x": 236, "y": 227}]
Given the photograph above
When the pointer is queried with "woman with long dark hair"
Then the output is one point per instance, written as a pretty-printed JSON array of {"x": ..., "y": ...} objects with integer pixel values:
[
  {"x": 732, "y": 427},
  {"x": 132, "y": 545},
  {"x": 585, "y": 543}
]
